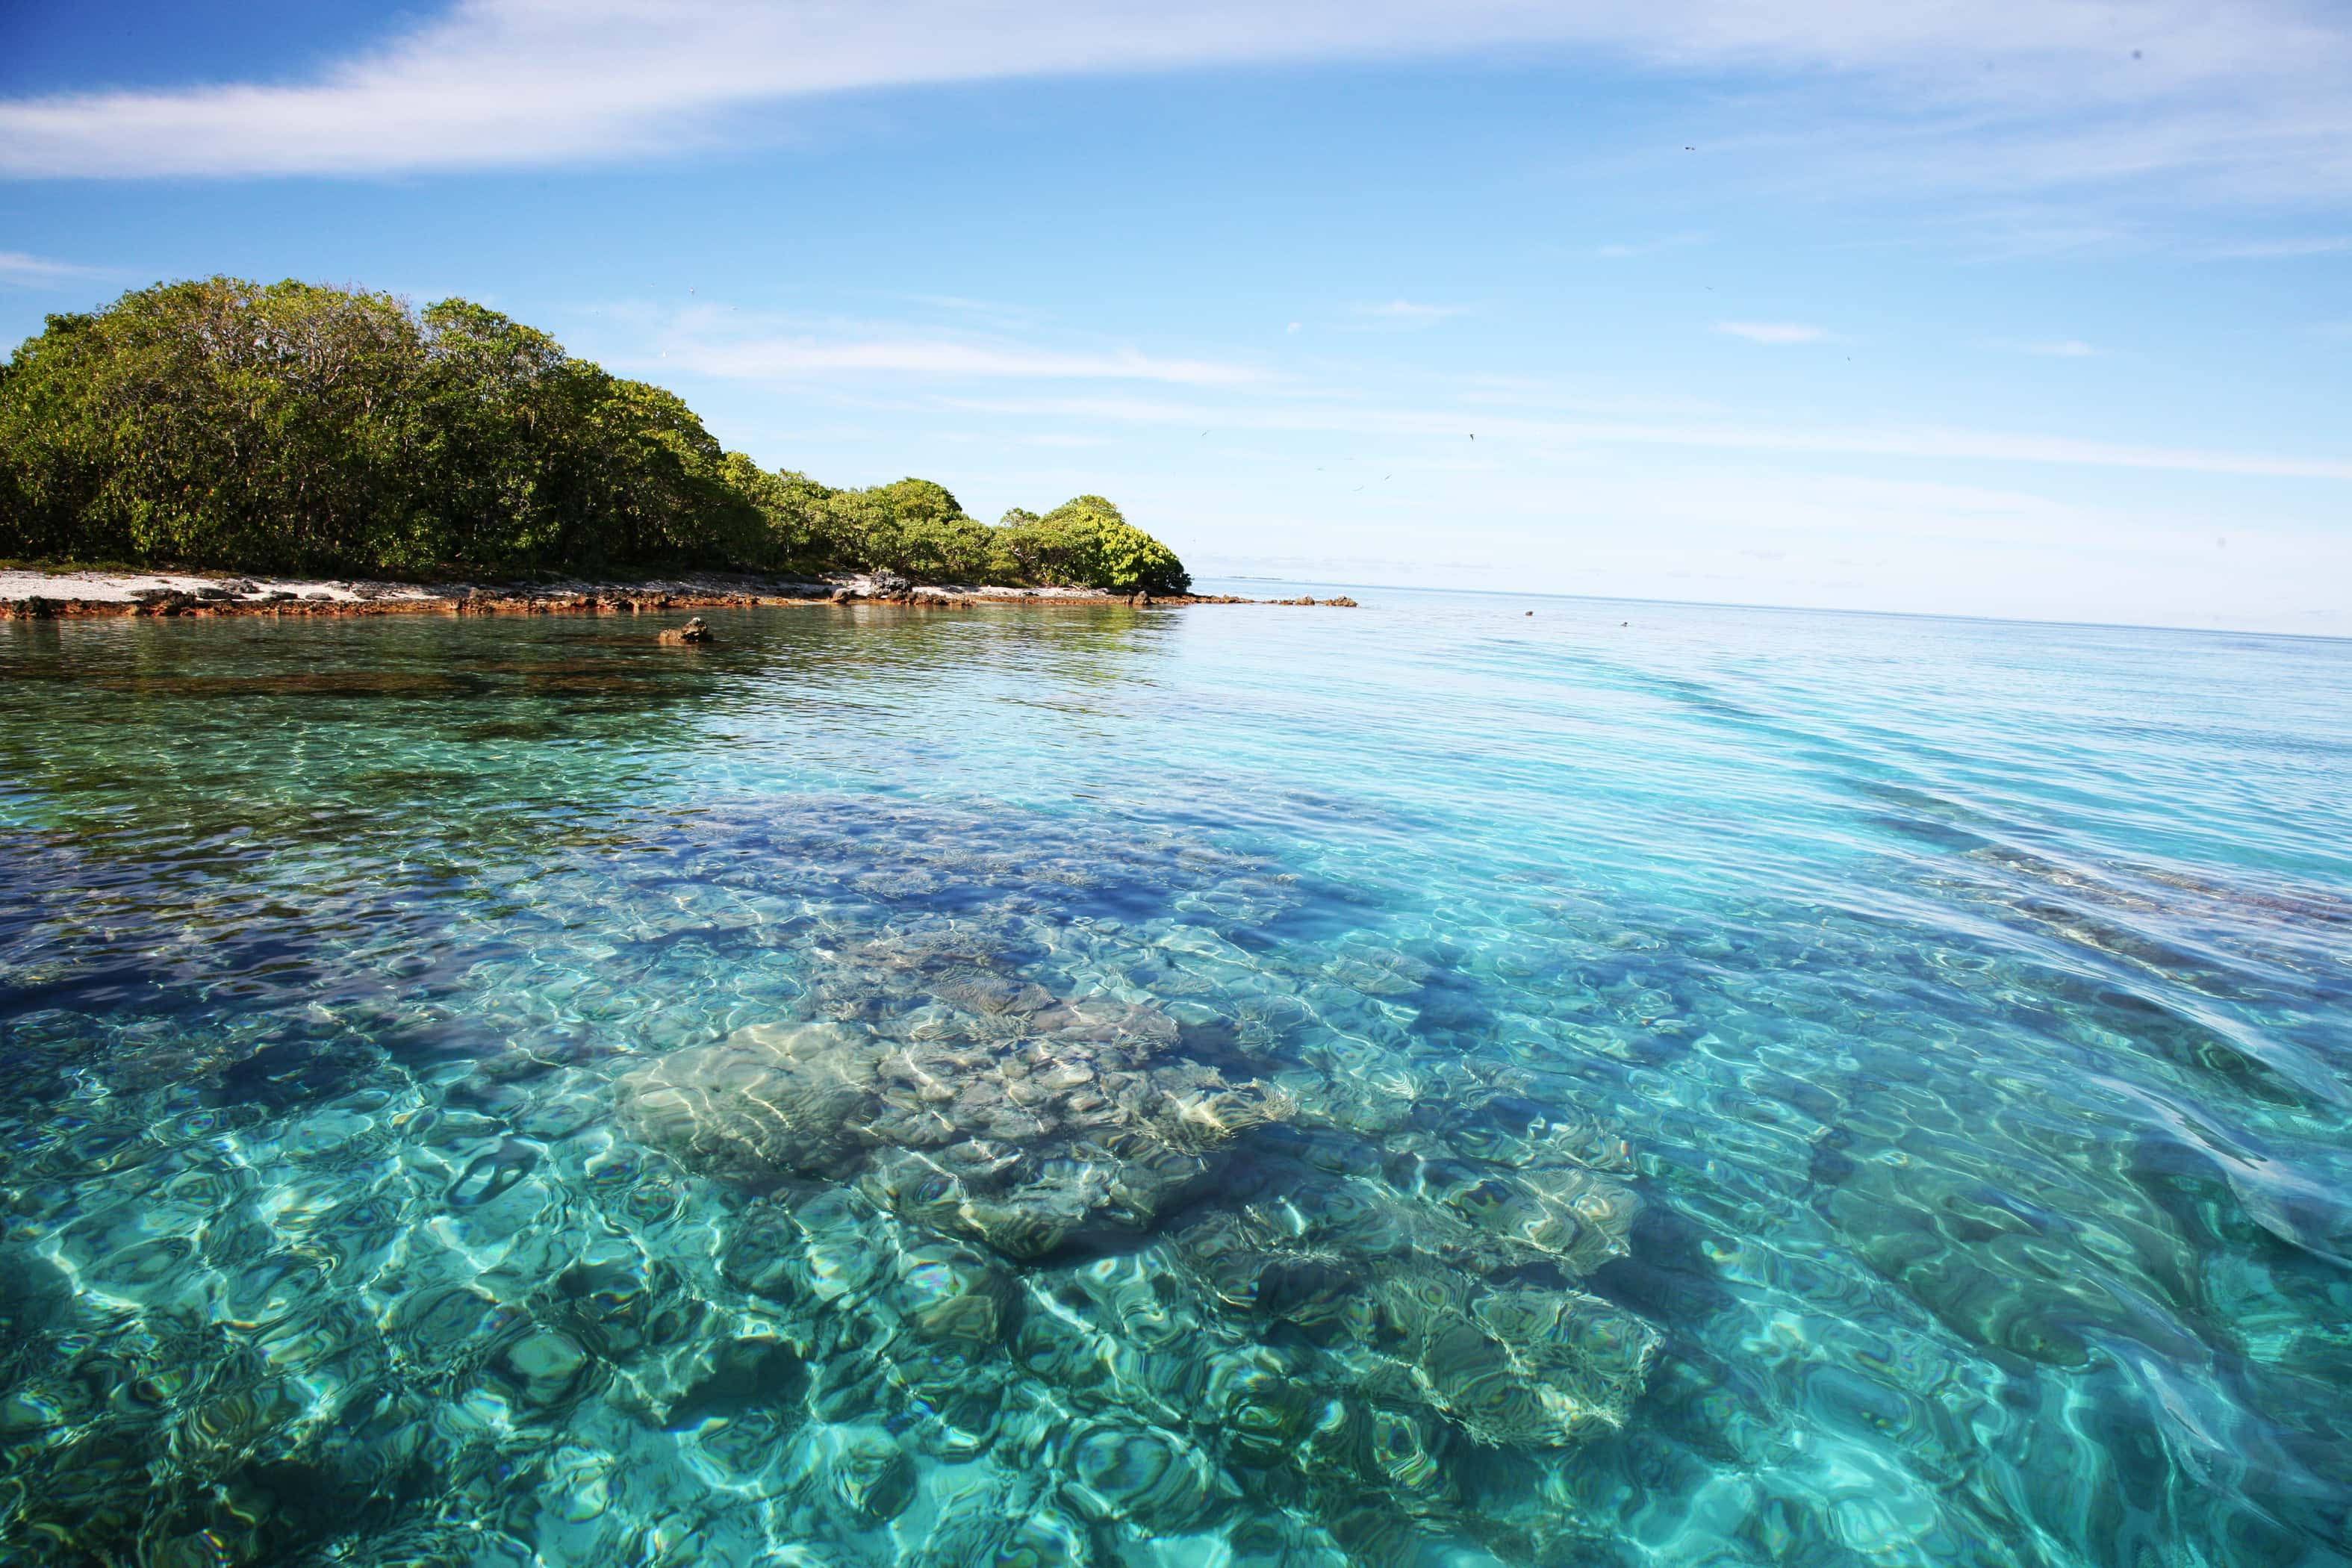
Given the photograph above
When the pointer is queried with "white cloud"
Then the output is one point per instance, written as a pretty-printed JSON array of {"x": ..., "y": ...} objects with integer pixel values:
[
  {"x": 2049, "y": 348},
  {"x": 1716, "y": 432},
  {"x": 2288, "y": 249},
  {"x": 795, "y": 358},
  {"x": 1827, "y": 539},
  {"x": 1742, "y": 534},
  {"x": 1405, "y": 312},
  {"x": 2246, "y": 96},
  {"x": 1625, "y": 251},
  {"x": 41, "y": 272},
  {"x": 1775, "y": 333},
  {"x": 1000, "y": 316}
]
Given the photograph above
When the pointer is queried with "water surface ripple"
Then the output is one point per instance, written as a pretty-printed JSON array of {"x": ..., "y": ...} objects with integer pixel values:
[{"x": 1422, "y": 1085}]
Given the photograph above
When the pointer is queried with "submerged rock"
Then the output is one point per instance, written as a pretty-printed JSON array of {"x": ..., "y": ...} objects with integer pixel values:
[
  {"x": 872, "y": 1474},
  {"x": 1144, "y": 1218},
  {"x": 1425, "y": 1271},
  {"x": 950, "y": 1292},
  {"x": 1139, "y": 1476},
  {"x": 1066, "y": 1121},
  {"x": 765, "y": 1101}
]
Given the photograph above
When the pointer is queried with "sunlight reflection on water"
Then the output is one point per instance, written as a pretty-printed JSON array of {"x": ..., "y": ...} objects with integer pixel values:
[{"x": 1416, "y": 1084}]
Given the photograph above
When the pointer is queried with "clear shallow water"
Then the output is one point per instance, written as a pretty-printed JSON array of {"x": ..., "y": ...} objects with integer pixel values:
[{"x": 1414, "y": 1085}]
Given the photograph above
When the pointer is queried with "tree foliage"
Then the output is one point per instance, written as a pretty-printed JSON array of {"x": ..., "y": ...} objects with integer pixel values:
[
  {"x": 290, "y": 428},
  {"x": 1088, "y": 542}
]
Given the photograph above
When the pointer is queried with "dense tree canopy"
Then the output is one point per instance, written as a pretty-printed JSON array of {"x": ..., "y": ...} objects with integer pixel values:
[{"x": 289, "y": 427}]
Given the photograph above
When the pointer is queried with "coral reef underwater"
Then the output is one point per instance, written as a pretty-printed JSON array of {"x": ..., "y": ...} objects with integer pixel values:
[
  {"x": 1168, "y": 1092},
  {"x": 1009, "y": 1230}
]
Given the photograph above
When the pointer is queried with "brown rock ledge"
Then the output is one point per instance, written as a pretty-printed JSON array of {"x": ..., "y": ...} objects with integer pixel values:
[{"x": 58, "y": 594}]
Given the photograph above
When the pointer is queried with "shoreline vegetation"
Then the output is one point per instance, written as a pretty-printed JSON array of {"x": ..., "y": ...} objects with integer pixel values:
[
  {"x": 37, "y": 592},
  {"x": 226, "y": 446}
]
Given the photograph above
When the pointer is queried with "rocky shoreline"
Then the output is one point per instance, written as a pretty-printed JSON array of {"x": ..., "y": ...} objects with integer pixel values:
[{"x": 42, "y": 595}]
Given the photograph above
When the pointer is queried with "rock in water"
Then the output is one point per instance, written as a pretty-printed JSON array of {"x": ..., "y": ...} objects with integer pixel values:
[
  {"x": 1427, "y": 1266},
  {"x": 1365, "y": 1331},
  {"x": 766, "y": 1103},
  {"x": 1071, "y": 1119},
  {"x": 693, "y": 631},
  {"x": 948, "y": 1291}
]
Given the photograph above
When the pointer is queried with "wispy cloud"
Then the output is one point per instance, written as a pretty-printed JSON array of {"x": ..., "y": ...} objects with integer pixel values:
[
  {"x": 42, "y": 272},
  {"x": 795, "y": 358},
  {"x": 1722, "y": 433},
  {"x": 2246, "y": 96},
  {"x": 2286, "y": 249},
  {"x": 1778, "y": 333},
  {"x": 1407, "y": 313},
  {"x": 1629, "y": 249},
  {"x": 2049, "y": 348},
  {"x": 998, "y": 314}
]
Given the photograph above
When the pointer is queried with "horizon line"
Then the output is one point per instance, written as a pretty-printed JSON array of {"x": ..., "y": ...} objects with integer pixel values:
[{"x": 1784, "y": 609}]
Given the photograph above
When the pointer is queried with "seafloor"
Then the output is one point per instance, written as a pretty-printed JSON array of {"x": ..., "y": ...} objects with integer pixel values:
[{"x": 1440, "y": 1085}]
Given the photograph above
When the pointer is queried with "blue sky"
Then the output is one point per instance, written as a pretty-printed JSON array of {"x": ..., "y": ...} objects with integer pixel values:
[{"x": 2040, "y": 311}]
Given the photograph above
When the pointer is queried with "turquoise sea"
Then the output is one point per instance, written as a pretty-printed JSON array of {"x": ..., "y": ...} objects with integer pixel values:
[{"x": 1425, "y": 1084}]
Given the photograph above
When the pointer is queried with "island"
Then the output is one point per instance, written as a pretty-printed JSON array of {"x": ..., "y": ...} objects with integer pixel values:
[{"x": 217, "y": 446}]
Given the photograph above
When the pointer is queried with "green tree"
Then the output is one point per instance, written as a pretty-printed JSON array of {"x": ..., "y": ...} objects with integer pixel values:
[
  {"x": 294, "y": 428},
  {"x": 1087, "y": 542},
  {"x": 261, "y": 428},
  {"x": 508, "y": 414}
]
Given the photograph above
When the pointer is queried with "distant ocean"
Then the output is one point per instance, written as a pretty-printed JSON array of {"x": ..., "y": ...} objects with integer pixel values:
[{"x": 1421, "y": 1084}]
